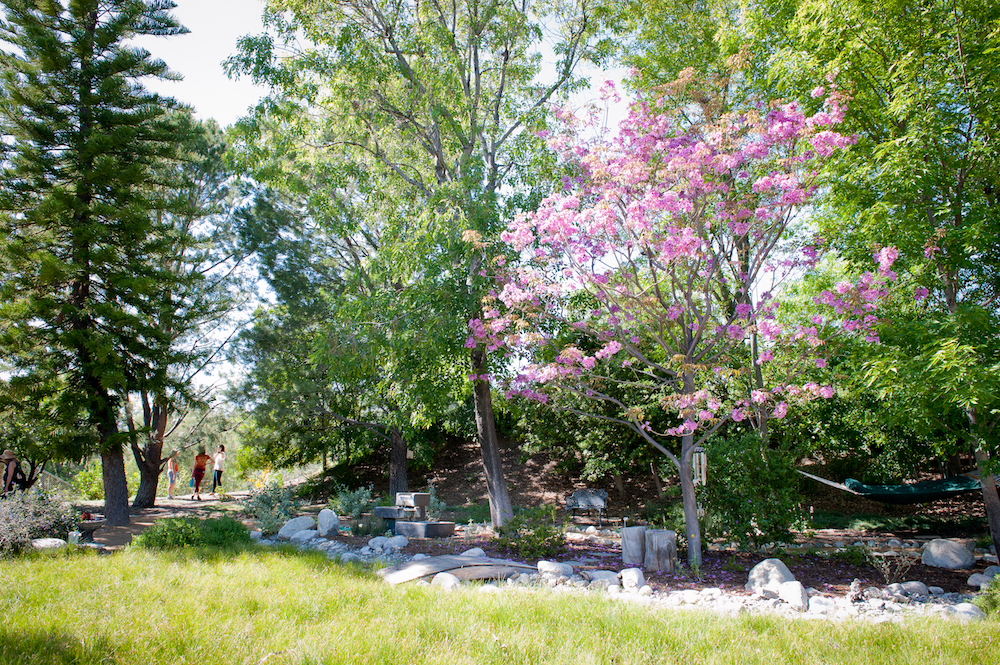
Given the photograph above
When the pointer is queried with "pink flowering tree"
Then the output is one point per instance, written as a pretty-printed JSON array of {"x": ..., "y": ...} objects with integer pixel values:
[{"x": 653, "y": 273}]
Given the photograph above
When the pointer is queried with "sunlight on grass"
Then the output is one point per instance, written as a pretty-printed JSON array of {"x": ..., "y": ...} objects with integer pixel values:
[{"x": 283, "y": 607}]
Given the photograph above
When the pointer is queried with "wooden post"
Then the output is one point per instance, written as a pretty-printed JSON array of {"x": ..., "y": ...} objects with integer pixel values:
[
  {"x": 633, "y": 545},
  {"x": 661, "y": 550}
]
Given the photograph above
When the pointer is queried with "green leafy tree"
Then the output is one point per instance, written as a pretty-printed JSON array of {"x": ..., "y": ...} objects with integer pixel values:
[
  {"x": 924, "y": 175},
  {"x": 433, "y": 109},
  {"x": 82, "y": 252}
]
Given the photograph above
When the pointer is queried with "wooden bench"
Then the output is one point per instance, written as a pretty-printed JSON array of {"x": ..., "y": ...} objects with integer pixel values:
[{"x": 588, "y": 500}]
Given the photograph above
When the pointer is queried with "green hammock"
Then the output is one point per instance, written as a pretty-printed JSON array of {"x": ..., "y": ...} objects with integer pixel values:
[{"x": 929, "y": 490}]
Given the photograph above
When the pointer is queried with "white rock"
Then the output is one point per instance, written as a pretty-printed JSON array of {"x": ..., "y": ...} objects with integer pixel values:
[
  {"x": 349, "y": 557},
  {"x": 555, "y": 568},
  {"x": 256, "y": 535},
  {"x": 646, "y": 590},
  {"x": 941, "y": 553},
  {"x": 303, "y": 536},
  {"x": 365, "y": 550},
  {"x": 418, "y": 557},
  {"x": 396, "y": 543},
  {"x": 768, "y": 575},
  {"x": 914, "y": 588},
  {"x": 992, "y": 571},
  {"x": 591, "y": 530},
  {"x": 979, "y": 581},
  {"x": 688, "y": 596},
  {"x": 328, "y": 523},
  {"x": 822, "y": 605},
  {"x": 968, "y": 612},
  {"x": 632, "y": 579},
  {"x": 377, "y": 541},
  {"x": 935, "y": 590},
  {"x": 895, "y": 589},
  {"x": 446, "y": 581},
  {"x": 794, "y": 594},
  {"x": 474, "y": 552},
  {"x": 893, "y": 542},
  {"x": 294, "y": 525},
  {"x": 605, "y": 575},
  {"x": 490, "y": 588},
  {"x": 47, "y": 543}
]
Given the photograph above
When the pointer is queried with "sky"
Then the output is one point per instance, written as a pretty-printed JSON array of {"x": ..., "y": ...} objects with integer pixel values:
[{"x": 215, "y": 26}]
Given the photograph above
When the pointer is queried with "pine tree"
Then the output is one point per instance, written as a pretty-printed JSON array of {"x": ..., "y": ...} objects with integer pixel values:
[{"x": 82, "y": 273}]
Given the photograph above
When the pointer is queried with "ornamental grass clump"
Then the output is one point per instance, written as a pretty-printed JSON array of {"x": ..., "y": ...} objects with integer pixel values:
[{"x": 33, "y": 514}]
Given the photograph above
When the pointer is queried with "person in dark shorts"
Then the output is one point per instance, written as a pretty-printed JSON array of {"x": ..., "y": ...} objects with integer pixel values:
[{"x": 201, "y": 460}]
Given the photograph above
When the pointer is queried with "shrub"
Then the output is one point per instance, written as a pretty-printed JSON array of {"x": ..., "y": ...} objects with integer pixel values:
[
  {"x": 534, "y": 533},
  {"x": 175, "y": 532},
  {"x": 751, "y": 493},
  {"x": 989, "y": 600},
  {"x": 271, "y": 506},
  {"x": 436, "y": 505},
  {"x": 352, "y": 503},
  {"x": 369, "y": 525},
  {"x": 33, "y": 514}
]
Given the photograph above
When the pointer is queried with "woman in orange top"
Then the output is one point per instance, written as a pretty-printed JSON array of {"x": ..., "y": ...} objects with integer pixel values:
[{"x": 198, "y": 472}]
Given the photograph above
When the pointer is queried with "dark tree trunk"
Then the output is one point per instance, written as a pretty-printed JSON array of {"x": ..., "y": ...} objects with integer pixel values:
[
  {"x": 115, "y": 487},
  {"x": 149, "y": 458},
  {"x": 397, "y": 465},
  {"x": 489, "y": 445}
]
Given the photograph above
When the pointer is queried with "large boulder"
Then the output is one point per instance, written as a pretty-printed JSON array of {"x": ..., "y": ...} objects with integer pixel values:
[
  {"x": 328, "y": 523},
  {"x": 47, "y": 543},
  {"x": 446, "y": 581},
  {"x": 767, "y": 577},
  {"x": 941, "y": 553},
  {"x": 294, "y": 525}
]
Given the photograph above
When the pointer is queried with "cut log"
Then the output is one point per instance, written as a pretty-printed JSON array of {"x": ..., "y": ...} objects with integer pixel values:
[
  {"x": 661, "y": 551},
  {"x": 633, "y": 545}
]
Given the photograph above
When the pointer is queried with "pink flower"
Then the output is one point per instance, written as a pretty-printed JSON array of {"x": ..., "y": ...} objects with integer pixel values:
[
  {"x": 738, "y": 415},
  {"x": 826, "y": 391},
  {"x": 920, "y": 293},
  {"x": 821, "y": 363},
  {"x": 780, "y": 410}
]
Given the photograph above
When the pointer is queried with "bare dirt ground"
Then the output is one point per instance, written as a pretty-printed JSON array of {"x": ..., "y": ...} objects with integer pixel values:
[{"x": 458, "y": 480}]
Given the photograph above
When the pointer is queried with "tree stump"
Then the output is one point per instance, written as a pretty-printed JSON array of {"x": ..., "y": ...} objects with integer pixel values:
[
  {"x": 661, "y": 550},
  {"x": 633, "y": 545}
]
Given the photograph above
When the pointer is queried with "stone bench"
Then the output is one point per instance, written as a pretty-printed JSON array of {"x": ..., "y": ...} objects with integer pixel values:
[{"x": 588, "y": 500}]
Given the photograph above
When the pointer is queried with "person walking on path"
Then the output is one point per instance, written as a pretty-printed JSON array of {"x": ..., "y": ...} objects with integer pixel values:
[
  {"x": 172, "y": 471},
  {"x": 201, "y": 460},
  {"x": 220, "y": 460}
]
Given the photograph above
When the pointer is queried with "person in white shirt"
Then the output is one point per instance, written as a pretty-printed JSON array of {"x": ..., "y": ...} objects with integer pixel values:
[{"x": 220, "y": 460}]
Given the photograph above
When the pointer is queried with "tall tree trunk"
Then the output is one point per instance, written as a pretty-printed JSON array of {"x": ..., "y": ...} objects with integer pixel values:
[
  {"x": 489, "y": 445},
  {"x": 149, "y": 458},
  {"x": 991, "y": 500},
  {"x": 692, "y": 528},
  {"x": 397, "y": 465}
]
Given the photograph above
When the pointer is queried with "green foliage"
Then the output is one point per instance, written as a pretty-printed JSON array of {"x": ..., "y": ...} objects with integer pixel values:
[
  {"x": 853, "y": 555},
  {"x": 89, "y": 481},
  {"x": 751, "y": 495},
  {"x": 533, "y": 533},
  {"x": 989, "y": 600},
  {"x": 666, "y": 512},
  {"x": 33, "y": 514},
  {"x": 436, "y": 505},
  {"x": 369, "y": 525},
  {"x": 352, "y": 503},
  {"x": 176, "y": 532},
  {"x": 271, "y": 506}
]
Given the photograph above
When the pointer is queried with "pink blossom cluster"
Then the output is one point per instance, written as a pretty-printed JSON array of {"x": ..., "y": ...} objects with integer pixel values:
[{"x": 656, "y": 223}]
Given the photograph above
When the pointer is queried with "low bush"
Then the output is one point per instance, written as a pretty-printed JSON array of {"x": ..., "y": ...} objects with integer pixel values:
[
  {"x": 271, "y": 506},
  {"x": 33, "y": 514},
  {"x": 352, "y": 503},
  {"x": 751, "y": 496},
  {"x": 176, "y": 532},
  {"x": 89, "y": 481},
  {"x": 369, "y": 525},
  {"x": 533, "y": 533},
  {"x": 989, "y": 600}
]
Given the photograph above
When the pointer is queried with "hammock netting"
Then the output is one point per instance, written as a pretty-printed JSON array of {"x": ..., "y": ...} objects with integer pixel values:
[{"x": 929, "y": 490}]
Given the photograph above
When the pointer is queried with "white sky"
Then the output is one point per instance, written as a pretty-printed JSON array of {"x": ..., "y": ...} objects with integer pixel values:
[{"x": 215, "y": 26}]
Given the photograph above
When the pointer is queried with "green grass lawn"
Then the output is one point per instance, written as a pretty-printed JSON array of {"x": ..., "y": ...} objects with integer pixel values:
[{"x": 276, "y": 607}]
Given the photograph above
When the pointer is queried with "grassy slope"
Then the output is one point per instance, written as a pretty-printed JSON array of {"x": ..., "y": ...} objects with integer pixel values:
[{"x": 282, "y": 607}]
